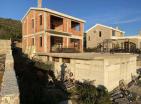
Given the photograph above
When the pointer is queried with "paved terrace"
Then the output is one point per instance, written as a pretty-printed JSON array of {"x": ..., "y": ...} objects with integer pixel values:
[{"x": 85, "y": 56}]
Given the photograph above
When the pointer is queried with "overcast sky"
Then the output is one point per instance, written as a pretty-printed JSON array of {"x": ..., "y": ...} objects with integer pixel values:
[{"x": 126, "y": 14}]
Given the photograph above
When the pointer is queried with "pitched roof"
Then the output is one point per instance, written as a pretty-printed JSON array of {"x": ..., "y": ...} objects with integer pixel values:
[
  {"x": 105, "y": 27},
  {"x": 54, "y": 12}
]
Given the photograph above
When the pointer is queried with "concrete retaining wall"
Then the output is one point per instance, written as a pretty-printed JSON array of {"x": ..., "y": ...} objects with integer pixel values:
[
  {"x": 106, "y": 70},
  {"x": 9, "y": 93}
]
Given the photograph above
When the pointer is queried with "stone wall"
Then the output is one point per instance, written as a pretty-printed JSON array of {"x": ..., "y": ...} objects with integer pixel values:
[
  {"x": 5, "y": 46},
  {"x": 9, "y": 93}
]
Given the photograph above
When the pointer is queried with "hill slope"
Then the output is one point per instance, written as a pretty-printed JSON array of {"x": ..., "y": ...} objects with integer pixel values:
[{"x": 10, "y": 28}]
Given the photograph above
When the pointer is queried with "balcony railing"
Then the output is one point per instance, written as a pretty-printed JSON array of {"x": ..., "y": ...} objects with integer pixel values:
[{"x": 65, "y": 50}]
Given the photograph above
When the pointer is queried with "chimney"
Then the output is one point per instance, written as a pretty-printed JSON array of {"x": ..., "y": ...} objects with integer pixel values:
[{"x": 39, "y": 3}]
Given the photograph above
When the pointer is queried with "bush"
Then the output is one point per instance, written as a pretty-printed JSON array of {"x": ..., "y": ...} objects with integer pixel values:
[
  {"x": 10, "y": 29},
  {"x": 89, "y": 94}
]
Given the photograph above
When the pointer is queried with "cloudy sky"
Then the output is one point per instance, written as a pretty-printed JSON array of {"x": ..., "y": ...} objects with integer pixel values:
[{"x": 126, "y": 14}]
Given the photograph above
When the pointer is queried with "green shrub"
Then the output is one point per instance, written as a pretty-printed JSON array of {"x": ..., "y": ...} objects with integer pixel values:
[{"x": 89, "y": 94}]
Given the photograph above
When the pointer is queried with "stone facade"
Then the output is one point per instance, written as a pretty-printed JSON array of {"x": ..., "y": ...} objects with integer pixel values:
[
  {"x": 103, "y": 69},
  {"x": 110, "y": 38},
  {"x": 94, "y": 37}
]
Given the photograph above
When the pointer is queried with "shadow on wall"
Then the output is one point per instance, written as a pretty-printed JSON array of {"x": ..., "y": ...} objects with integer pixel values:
[
  {"x": 63, "y": 71},
  {"x": 37, "y": 86}
]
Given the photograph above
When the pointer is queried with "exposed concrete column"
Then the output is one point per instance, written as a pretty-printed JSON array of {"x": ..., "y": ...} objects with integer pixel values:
[
  {"x": 82, "y": 45},
  {"x": 67, "y": 42},
  {"x": 67, "y": 25},
  {"x": 27, "y": 25},
  {"x": 34, "y": 31},
  {"x": 34, "y": 22},
  {"x": 45, "y": 34},
  {"x": 45, "y": 42},
  {"x": 48, "y": 42},
  {"x": 27, "y": 36},
  {"x": 82, "y": 38}
]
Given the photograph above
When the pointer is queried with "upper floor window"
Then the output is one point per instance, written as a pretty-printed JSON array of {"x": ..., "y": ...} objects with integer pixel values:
[
  {"x": 75, "y": 25},
  {"x": 32, "y": 23},
  {"x": 100, "y": 33},
  {"x": 113, "y": 32},
  {"x": 41, "y": 41},
  {"x": 41, "y": 20}
]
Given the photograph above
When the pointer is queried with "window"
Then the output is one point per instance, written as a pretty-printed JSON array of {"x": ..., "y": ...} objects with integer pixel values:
[
  {"x": 55, "y": 59},
  {"x": 89, "y": 38},
  {"x": 66, "y": 60},
  {"x": 32, "y": 41},
  {"x": 41, "y": 22},
  {"x": 32, "y": 23},
  {"x": 100, "y": 33},
  {"x": 113, "y": 32},
  {"x": 41, "y": 42}
]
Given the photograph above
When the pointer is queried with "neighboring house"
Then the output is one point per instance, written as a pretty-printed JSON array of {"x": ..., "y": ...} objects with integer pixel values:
[
  {"x": 99, "y": 33},
  {"x": 46, "y": 30},
  {"x": 107, "y": 38}
]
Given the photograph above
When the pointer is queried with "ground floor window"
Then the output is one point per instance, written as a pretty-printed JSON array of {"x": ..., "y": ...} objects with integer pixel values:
[
  {"x": 41, "y": 41},
  {"x": 66, "y": 60},
  {"x": 55, "y": 59}
]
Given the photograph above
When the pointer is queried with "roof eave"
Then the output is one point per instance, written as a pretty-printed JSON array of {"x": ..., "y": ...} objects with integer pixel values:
[
  {"x": 55, "y": 12},
  {"x": 104, "y": 26}
]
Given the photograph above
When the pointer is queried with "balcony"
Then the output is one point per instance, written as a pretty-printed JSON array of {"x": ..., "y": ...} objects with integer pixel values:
[{"x": 56, "y": 23}]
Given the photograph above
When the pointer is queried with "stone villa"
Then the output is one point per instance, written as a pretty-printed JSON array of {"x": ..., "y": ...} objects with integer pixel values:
[{"x": 110, "y": 38}]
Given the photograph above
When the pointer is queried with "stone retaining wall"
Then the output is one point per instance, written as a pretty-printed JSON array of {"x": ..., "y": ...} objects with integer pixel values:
[
  {"x": 9, "y": 93},
  {"x": 5, "y": 45}
]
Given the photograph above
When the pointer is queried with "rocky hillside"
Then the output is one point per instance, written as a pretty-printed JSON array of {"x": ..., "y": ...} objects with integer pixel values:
[{"x": 10, "y": 28}]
